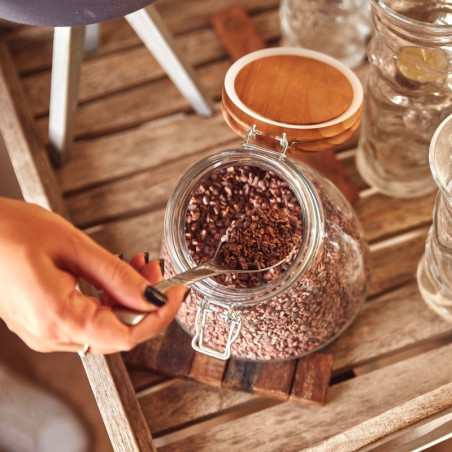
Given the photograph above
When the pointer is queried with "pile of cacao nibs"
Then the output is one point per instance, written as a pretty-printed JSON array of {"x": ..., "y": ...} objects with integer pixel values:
[
  {"x": 236, "y": 194},
  {"x": 261, "y": 238}
]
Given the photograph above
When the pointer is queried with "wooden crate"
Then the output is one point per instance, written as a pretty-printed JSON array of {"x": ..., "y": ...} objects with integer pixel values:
[{"x": 136, "y": 135}]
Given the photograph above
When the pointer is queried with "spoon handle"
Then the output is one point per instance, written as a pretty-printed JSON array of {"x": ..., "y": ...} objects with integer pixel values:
[
  {"x": 202, "y": 271},
  {"x": 189, "y": 277}
]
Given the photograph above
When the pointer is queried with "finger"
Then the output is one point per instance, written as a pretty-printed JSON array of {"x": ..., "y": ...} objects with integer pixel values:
[
  {"x": 158, "y": 320},
  {"x": 119, "y": 280},
  {"x": 139, "y": 261},
  {"x": 151, "y": 270}
]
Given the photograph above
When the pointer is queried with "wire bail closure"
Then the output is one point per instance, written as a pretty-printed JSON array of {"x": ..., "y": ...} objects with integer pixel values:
[
  {"x": 229, "y": 315},
  {"x": 253, "y": 132}
]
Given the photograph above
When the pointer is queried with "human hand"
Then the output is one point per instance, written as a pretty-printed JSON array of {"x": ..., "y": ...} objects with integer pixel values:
[{"x": 43, "y": 256}]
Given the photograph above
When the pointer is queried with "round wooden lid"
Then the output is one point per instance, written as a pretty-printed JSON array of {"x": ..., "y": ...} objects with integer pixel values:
[{"x": 307, "y": 95}]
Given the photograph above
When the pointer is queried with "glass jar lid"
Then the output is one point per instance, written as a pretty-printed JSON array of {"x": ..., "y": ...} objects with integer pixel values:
[{"x": 311, "y": 99}]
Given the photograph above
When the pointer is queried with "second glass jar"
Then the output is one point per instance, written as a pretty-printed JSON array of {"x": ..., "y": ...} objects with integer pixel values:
[{"x": 408, "y": 94}]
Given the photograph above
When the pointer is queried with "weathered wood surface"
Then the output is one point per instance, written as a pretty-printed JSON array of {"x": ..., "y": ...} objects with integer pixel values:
[
  {"x": 376, "y": 333},
  {"x": 293, "y": 427},
  {"x": 132, "y": 147},
  {"x": 170, "y": 353}
]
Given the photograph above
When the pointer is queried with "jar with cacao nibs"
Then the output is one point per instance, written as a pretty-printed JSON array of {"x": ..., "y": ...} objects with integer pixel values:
[
  {"x": 278, "y": 314},
  {"x": 286, "y": 101}
]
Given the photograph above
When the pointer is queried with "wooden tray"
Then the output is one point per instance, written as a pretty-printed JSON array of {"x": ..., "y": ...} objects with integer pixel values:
[{"x": 304, "y": 380}]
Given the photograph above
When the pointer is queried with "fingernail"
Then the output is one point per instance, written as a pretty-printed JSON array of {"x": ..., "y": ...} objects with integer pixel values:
[
  {"x": 121, "y": 256},
  {"x": 186, "y": 294},
  {"x": 155, "y": 297},
  {"x": 146, "y": 258},
  {"x": 162, "y": 266}
]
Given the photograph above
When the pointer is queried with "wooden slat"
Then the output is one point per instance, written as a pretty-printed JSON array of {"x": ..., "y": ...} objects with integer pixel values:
[
  {"x": 392, "y": 421},
  {"x": 207, "y": 370},
  {"x": 392, "y": 322},
  {"x": 312, "y": 377},
  {"x": 292, "y": 427},
  {"x": 142, "y": 103},
  {"x": 385, "y": 216},
  {"x": 275, "y": 379},
  {"x": 169, "y": 352},
  {"x": 186, "y": 401},
  {"x": 28, "y": 157},
  {"x": 136, "y": 235},
  {"x": 240, "y": 375},
  {"x": 236, "y": 32},
  {"x": 142, "y": 378},
  {"x": 394, "y": 261},
  {"x": 135, "y": 151}
]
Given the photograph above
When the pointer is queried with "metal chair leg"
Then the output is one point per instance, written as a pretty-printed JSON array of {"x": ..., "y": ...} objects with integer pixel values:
[
  {"x": 68, "y": 49},
  {"x": 153, "y": 32}
]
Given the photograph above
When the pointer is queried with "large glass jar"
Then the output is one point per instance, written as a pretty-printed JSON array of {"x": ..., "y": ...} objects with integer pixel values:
[
  {"x": 408, "y": 94},
  {"x": 339, "y": 28},
  {"x": 310, "y": 303}
]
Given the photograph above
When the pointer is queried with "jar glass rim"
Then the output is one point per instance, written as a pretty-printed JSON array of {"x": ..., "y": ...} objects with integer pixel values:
[
  {"x": 282, "y": 167},
  {"x": 400, "y": 18}
]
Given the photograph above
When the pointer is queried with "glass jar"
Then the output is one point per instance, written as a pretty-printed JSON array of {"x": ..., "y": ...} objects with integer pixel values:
[
  {"x": 303, "y": 309},
  {"x": 434, "y": 274},
  {"x": 339, "y": 28},
  {"x": 408, "y": 94}
]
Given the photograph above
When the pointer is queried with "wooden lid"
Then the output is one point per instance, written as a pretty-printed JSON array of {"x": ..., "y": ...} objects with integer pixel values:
[{"x": 311, "y": 97}]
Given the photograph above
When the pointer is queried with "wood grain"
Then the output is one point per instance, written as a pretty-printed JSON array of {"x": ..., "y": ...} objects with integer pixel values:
[
  {"x": 186, "y": 401},
  {"x": 269, "y": 87},
  {"x": 312, "y": 377},
  {"x": 207, "y": 369},
  {"x": 350, "y": 404},
  {"x": 169, "y": 353},
  {"x": 236, "y": 32},
  {"x": 28, "y": 157}
]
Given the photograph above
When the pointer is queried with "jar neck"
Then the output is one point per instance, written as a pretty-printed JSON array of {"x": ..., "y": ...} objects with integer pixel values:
[
  {"x": 387, "y": 14},
  {"x": 312, "y": 228}
]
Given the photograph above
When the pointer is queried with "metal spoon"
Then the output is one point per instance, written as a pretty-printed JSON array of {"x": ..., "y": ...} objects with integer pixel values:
[{"x": 207, "y": 269}]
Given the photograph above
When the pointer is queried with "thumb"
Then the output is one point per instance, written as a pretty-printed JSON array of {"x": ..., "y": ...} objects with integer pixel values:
[{"x": 115, "y": 277}]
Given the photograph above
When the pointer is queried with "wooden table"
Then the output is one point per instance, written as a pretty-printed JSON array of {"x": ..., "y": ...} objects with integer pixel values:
[{"x": 392, "y": 372}]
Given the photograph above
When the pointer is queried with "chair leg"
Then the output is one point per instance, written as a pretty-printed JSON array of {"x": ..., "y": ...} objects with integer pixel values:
[
  {"x": 153, "y": 32},
  {"x": 68, "y": 49},
  {"x": 92, "y": 37}
]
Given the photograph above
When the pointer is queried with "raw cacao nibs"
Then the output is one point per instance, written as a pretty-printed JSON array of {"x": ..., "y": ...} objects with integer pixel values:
[
  {"x": 317, "y": 307},
  {"x": 261, "y": 238},
  {"x": 230, "y": 194}
]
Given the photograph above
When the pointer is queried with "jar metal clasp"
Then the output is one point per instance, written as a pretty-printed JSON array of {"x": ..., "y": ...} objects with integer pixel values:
[
  {"x": 253, "y": 132},
  {"x": 229, "y": 314}
]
